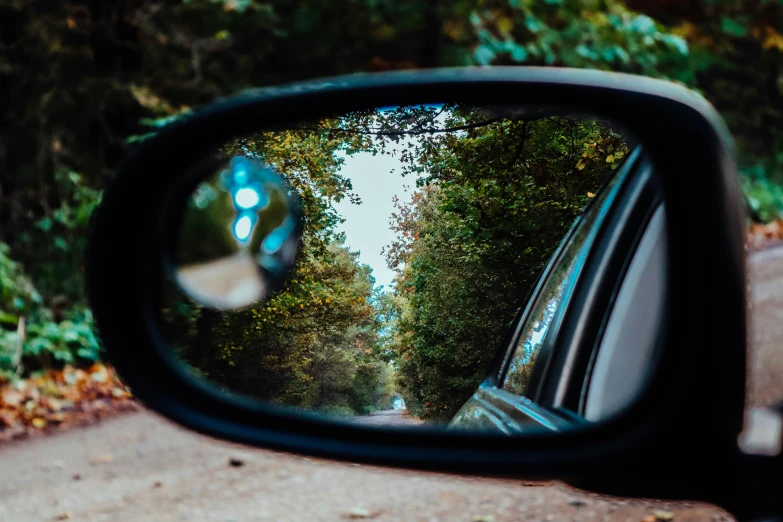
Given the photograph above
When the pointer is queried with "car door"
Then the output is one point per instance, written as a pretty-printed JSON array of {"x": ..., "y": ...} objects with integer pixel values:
[{"x": 557, "y": 368}]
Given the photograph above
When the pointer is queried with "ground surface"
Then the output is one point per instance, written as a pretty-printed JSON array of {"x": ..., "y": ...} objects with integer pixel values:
[
  {"x": 138, "y": 467},
  {"x": 395, "y": 418},
  {"x": 765, "y": 272}
]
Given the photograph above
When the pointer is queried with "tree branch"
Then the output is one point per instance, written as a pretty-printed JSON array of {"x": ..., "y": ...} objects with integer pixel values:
[{"x": 402, "y": 133}]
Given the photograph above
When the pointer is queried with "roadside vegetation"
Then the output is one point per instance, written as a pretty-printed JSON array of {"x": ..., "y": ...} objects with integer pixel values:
[{"x": 81, "y": 85}]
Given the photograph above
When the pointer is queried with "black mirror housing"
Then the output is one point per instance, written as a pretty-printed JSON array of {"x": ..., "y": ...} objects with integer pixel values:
[{"x": 684, "y": 421}]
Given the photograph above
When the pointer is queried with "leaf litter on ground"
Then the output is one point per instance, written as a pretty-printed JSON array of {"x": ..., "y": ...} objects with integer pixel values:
[{"x": 57, "y": 399}]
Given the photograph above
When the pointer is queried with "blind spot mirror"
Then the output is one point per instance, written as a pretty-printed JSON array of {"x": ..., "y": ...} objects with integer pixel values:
[{"x": 238, "y": 235}]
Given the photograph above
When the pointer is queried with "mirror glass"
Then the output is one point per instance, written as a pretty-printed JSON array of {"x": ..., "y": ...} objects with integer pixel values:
[
  {"x": 377, "y": 267},
  {"x": 237, "y": 236}
]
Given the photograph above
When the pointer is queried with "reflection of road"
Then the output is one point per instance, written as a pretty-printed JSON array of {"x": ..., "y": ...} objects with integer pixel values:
[
  {"x": 230, "y": 282},
  {"x": 387, "y": 418}
]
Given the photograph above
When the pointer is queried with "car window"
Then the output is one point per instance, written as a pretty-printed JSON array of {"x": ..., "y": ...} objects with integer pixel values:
[{"x": 537, "y": 324}]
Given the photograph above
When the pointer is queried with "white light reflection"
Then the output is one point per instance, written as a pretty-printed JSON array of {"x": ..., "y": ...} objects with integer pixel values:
[
  {"x": 246, "y": 198},
  {"x": 242, "y": 228}
]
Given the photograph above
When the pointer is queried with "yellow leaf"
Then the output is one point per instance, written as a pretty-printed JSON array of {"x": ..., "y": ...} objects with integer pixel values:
[
  {"x": 685, "y": 30},
  {"x": 39, "y": 423},
  {"x": 609, "y": 158},
  {"x": 453, "y": 29},
  {"x": 505, "y": 24},
  {"x": 580, "y": 166},
  {"x": 590, "y": 195},
  {"x": 773, "y": 41}
]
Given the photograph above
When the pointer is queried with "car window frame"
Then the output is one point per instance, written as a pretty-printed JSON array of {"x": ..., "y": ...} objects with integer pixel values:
[
  {"x": 537, "y": 381},
  {"x": 578, "y": 337}
]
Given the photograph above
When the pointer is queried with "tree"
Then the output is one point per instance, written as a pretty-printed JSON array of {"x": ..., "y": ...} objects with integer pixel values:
[{"x": 496, "y": 201}]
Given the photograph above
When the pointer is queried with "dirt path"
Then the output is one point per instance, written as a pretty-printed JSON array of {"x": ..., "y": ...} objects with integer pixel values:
[
  {"x": 140, "y": 467},
  {"x": 387, "y": 418},
  {"x": 765, "y": 271}
]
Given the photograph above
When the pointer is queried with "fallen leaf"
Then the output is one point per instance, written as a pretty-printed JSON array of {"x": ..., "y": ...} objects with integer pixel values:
[
  {"x": 659, "y": 516},
  {"x": 11, "y": 398},
  {"x": 39, "y": 423},
  {"x": 76, "y": 476},
  {"x": 57, "y": 418},
  {"x": 485, "y": 518},
  {"x": 236, "y": 462},
  {"x": 590, "y": 195},
  {"x": 103, "y": 459},
  {"x": 8, "y": 418},
  {"x": 158, "y": 484},
  {"x": 64, "y": 516},
  {"x": 119, "y": 393}
]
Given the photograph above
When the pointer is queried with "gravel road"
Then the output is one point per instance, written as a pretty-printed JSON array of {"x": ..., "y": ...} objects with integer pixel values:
[{"x": 140, "y": 467}]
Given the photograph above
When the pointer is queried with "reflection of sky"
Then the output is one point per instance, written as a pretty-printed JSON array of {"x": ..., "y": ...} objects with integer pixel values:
[
  {"x": 537, "y": 332},
  {"x": 366, "y": 225}
]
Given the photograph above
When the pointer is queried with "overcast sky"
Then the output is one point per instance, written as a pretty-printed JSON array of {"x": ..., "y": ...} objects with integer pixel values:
[{"x": 366, "y": 225}]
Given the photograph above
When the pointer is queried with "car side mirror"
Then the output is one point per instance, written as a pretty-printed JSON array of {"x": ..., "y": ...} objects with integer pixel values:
[{"x": 235, "y": 277}]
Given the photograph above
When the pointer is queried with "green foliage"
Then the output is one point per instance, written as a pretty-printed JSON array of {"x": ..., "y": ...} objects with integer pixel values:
[
  {"x": 49, "y": 294},
  {"x": 737, "y": 49},
  {"x": 48, "y": 341},
  {"x": 495, "y": 204},
  {"x": 53, "y": 247},
  {"x": 315, "y": 343},
  {"x": 17, "y": 293},
  {"x": 765, "y": 198},
  {"x": 577, "y": 33},
  {"x": 67, "y": 341},
  {"x": 80, "y": 87}
]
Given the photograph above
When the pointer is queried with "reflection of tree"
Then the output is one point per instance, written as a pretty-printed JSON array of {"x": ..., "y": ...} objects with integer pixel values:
[
  {"x": 544, "y": 310},
  {"x": 494, "y": 202},
  {"x": 496, "y": 191}
]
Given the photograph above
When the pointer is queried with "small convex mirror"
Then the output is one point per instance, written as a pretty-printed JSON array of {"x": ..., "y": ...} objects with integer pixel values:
[{"x": 237, "y": 236}]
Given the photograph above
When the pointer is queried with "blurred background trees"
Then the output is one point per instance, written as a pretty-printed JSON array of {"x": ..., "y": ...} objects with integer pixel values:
[{"x": 82, "y": 81}]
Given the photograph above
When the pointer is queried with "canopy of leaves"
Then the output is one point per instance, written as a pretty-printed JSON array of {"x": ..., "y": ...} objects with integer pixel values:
[
  {"x": 495, "y": 202},
  {"x": 81, "y": 82},
  {"x": 498, "y": 189}
]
